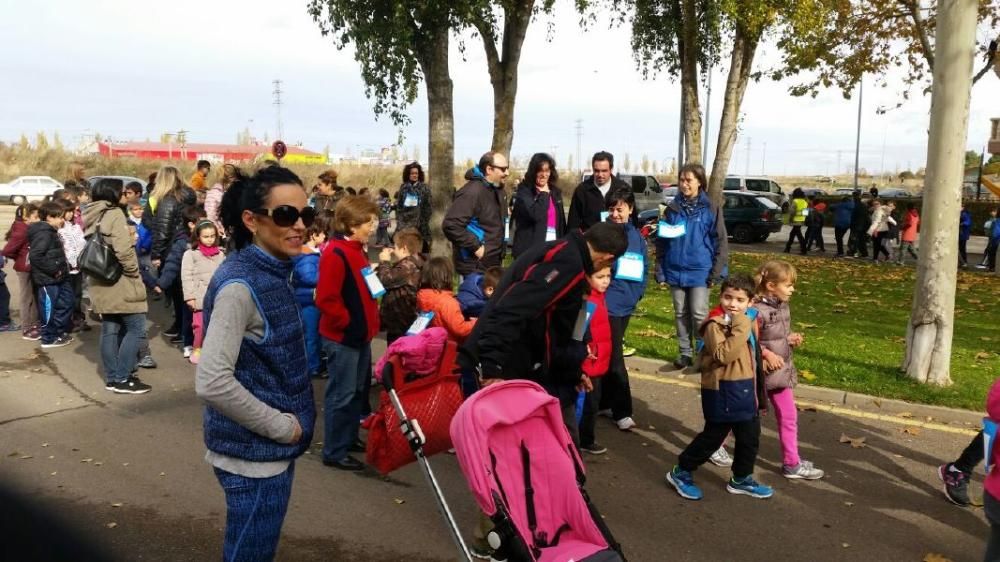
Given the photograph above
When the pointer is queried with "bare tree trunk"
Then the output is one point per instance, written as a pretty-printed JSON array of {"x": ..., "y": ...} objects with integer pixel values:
[
  {"x": 688, "y": 50},
  {"x": 929, "y": 333},
  {"x": 441, "y": 133},
  {"x": 744, "y": 49},
  {"x": 503, "y": 66}
]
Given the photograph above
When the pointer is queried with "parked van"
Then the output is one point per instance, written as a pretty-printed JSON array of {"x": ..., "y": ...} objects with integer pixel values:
[{"x": 758, "y": 184}]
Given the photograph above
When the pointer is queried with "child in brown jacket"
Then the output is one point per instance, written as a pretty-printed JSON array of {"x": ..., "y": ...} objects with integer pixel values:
[{"x": 401, "y": 280}]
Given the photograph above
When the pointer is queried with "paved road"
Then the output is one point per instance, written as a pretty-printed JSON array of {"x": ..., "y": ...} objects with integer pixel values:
[{"x": 70, "y": 446}]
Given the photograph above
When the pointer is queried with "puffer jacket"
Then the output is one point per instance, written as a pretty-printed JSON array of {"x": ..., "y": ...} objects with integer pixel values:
[
  {"x": 842, "y": 213},
  {"x": 170, "y": 270},
  {"x": 16, "y": 247},
  {"x": 774, "y": 320},
  {"x": 196, "y": 273},
  {"x": 305, "y": 276},
  {"x": 964, "y": 225},
  {"x": 599, "y": 359},
  {"x": 486, "y": 205},
  {"x": 128, "y": 294},
  {"x": 731, "y": 389},
  {"x": 416, "y": 216},
  {"x": 447, "y": 313},
  {"x": 48, "y": 259},
  {"x": 470, "y": 295},
  {"x": 701, "y": 255},
  {"x": 166, "y": 220}
]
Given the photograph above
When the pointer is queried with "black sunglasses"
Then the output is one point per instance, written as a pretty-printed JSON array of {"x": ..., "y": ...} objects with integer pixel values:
[{"x": 287, "y": 215}]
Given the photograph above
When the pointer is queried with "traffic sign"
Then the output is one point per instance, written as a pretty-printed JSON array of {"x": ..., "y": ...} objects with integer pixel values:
[{"x": 279, "y": 149}]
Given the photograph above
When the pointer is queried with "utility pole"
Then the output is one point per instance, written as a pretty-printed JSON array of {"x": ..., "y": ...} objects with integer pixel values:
[
  {"x": 680, "y": 133},
  {"x": 708, "y": 113},
  {"x": 579, "y": 143},
  {"x": 747, "y": 172},
  {"x": 277, "y": 104},
  {"x": 857, "y": 139}
]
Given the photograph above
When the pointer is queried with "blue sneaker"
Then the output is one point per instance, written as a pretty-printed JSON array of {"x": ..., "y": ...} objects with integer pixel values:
[
  {"x": 749, "y": 487},
  {"x": 683, "y": 482}
]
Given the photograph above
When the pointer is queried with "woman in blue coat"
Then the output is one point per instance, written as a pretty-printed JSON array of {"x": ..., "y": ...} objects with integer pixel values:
[{"x": 692, "y": 255}]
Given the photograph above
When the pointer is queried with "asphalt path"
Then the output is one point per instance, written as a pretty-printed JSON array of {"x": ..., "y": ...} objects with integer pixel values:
[{"x": 128, "y": 473}]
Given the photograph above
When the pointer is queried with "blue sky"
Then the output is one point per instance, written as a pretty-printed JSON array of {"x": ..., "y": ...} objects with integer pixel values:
[{"x": 132, "y": 70}]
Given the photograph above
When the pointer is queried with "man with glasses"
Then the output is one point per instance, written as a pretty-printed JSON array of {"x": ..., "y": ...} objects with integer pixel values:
[{"x": 474, "y": 224}]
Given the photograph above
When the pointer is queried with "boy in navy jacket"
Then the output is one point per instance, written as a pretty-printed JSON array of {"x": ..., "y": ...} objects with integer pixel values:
[{"x": 50, "y": 274}]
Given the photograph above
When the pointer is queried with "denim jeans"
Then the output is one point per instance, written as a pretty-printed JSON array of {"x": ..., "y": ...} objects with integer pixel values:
[
  {"x": 120, "y": 337},
  {"x": 347, "y": 368},
  {"x": 55, "y": 309},
  {"x": 255, "y": 511},
  {"x": 690, "y": 310},
  {"x": 310, "y": 325}
]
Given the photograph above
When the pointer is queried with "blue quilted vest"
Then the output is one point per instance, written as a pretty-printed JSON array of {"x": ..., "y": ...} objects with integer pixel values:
[{"x": 274, "y": 369}]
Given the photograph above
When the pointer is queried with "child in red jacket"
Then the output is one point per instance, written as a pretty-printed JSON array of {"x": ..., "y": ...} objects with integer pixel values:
[
  {"x": 16, "y": 248},
  {"x": 598, "y": 359},
  {"x": 436, "y": 296}
]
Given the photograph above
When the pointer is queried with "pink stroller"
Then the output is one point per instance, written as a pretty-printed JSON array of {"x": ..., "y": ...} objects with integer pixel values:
[{"x": 520, "y": 463}]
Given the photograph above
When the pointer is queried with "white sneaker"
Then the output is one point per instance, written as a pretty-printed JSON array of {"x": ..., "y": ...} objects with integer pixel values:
[
  {"x": 625, "y": 424},
  {"x": 802, "y": 471},
  {"x": 721, "y": 458},
  {"x": 188, "y": 350}
]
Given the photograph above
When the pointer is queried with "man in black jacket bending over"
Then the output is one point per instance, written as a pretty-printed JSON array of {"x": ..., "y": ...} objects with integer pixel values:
[
  {"x": 588, "y": 199},
  {"x": 528, "y": 329}
]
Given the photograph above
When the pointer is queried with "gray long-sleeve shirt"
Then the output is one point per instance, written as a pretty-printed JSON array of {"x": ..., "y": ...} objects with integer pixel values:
[{"x": 234, "y": 317}]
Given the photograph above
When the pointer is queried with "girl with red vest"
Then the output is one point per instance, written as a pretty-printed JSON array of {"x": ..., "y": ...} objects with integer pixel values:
[
  {"x": 598, "y": 358},
  {"x": 347, "y": 295}
]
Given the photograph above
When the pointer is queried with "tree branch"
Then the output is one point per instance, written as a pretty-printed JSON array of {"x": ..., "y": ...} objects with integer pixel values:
[
  {"x": 921, "y": 30},
  {"x": 986, "y": 68},
  {"x": 493, "y": 64}
]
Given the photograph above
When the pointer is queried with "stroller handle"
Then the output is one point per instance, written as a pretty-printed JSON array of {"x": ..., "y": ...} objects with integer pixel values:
[{"x": 387, "y": 376}]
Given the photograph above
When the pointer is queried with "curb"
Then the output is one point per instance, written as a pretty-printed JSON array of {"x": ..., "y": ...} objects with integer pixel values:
[{"x": 887, "y": 406}]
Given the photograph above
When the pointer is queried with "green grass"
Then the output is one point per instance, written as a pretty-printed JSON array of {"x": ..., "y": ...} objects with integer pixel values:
[{"x": 853, "y": 315}]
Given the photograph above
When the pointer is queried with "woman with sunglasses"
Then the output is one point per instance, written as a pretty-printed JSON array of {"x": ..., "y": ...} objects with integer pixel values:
[
  {"x": 253, "y": 375},
  {"x": 346, "y": 296}
]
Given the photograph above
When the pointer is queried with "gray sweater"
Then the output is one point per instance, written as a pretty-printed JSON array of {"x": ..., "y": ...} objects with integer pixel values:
[{"x": 235, "y": 317}]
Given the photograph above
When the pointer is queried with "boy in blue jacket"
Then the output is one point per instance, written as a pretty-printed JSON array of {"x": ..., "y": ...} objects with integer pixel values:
[
  {"x": 476, "y": 289},
  {"x": 628, "y": 284},
  {"x": 304, "y": 279},
  {"x": 732, "y": 393}
]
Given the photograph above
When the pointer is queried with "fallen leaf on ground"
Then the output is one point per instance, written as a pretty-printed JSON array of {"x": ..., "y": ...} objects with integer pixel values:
[
  {"x": 45, "y": 444},
  {"x": 116, "y": 504},
  {"x": 651, "y": 333},
  {"x": 399, "y": 501},
  {"x": 935, "y": 557},
  {"x": 910, "y": 430},
  {"x": 806, "y": 326},
  {"x": 849, "y": 504},
  {"x": 809, "y": 408},
  {"x": 905, "y": 415},
  {"x": 985, "y": 338},
  {"x": 846, "y": 545},
  {"x": 111, "y": 525},
  {"x": 807, "y": 374},
  {"x": 877, "y": 402},
  {"x": 983, "y": 355},
  {"x": 856, "y": 442},
  {"x": 86, "y": 460},
  {"x": 23, "y": 457}
]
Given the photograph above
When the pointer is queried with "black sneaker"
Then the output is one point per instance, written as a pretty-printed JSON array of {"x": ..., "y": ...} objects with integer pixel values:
[
  {"x": 176, "y": 339},
  {"x": 132, "y": 385},
  {"x": 58, "y": 342},
  {"x": 146, "y": 362},
  {"x": 349, "y": 463},
  {"x": 594, "y": 449},
  {"x": 171, "y": 332},
  {"x": 683, "y": 362},
  {"x": 956, "y": 484}
]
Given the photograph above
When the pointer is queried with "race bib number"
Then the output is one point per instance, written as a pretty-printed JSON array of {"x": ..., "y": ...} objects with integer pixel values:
[
  {"x": 506, "y": 229},
  {"x": 550, "y": 234},
  {"x": 420, "y": 324},
  {"x": 374, "y": 285},
  {"x": 411, "y": 200},
  {"x": 604, "y": 216},
  {"x": 631, "y": 267},
  {"x": 583, "y": 320},
  {"x": 667, "y": 230}
]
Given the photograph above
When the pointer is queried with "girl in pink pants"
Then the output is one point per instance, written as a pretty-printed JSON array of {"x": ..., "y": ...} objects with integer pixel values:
[
  {"x": 775, "y": 286},
  {"x": 197, "y": 267}
]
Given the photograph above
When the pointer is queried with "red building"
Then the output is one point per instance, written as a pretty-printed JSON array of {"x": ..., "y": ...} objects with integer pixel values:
[{"x": 199, "y": 151}]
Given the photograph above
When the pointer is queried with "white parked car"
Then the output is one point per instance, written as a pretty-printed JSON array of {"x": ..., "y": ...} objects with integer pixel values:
[{"x": 28, "y": 188}]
